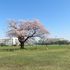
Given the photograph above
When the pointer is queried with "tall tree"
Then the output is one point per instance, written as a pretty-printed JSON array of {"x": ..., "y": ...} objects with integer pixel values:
[{"x": 24, "y": 30}]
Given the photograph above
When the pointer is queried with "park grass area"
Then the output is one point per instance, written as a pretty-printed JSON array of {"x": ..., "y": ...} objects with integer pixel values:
[{"x": 35, "y": 58}]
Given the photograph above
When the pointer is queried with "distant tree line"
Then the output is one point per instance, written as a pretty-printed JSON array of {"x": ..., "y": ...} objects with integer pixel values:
[{"x": 59, "y": 42}]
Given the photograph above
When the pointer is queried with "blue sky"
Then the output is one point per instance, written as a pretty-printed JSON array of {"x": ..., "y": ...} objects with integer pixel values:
[{"x": 54, "y": 14}]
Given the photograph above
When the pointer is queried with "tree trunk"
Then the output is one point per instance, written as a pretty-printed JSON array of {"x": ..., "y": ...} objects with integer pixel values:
[{"x": 22, "y": 45}]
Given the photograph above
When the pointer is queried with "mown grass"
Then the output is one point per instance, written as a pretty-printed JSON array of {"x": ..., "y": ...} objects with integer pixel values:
[{"x": 35, "y": 58}]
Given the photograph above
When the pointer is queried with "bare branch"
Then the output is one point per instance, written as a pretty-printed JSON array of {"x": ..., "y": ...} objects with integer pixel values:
[{"x": 24, "y": 30}]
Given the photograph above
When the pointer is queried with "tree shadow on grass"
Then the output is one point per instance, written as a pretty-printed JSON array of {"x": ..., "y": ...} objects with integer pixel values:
[
  {"x": 9, "y": 49},
  {"x": 15, "y": 48}
]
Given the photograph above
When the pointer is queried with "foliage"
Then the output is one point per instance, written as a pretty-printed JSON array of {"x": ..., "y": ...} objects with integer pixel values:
[
  {"x": 25, "y": 30},
  {"x": 2, "y": 44},
  {"x": 52, "y": 42}
]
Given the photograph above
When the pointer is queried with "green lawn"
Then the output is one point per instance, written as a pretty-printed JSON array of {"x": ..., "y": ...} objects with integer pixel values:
[{"x": 35, "y": 58}]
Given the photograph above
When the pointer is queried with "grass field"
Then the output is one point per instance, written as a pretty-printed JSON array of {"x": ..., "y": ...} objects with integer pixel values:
[{"x": 35, "y": 58}]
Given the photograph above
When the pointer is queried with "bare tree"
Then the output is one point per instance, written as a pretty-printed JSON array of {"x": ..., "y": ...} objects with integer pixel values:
[{"x": 24, "y": 30}]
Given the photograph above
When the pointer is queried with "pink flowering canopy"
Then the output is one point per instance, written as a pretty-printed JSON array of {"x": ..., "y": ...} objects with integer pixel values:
[{"x": 26, "y": 28}]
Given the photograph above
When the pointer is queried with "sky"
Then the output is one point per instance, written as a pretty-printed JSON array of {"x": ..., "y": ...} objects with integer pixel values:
[{"x": 53, "y": 14}]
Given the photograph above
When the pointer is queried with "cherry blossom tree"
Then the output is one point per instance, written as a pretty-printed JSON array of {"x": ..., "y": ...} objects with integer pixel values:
[{"x": 25, "y": 30}]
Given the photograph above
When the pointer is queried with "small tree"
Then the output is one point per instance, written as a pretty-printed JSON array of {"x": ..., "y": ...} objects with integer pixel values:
[{"x": 24, "y": 30}]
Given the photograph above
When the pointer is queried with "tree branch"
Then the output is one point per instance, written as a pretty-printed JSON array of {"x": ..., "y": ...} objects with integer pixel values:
[{"x": 29, "y": 36}]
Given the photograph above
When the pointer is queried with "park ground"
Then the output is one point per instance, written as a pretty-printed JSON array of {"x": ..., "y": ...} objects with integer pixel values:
[{"x": 35, "y": 58}]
